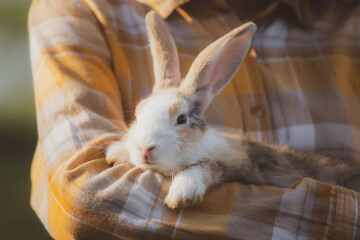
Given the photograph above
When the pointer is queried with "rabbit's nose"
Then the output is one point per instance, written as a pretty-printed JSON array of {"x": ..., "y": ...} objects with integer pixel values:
[{"x": 147, "y": 152}]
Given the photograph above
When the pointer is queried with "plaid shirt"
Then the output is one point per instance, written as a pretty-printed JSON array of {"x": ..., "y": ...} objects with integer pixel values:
[{"x": 299, "y": 85}]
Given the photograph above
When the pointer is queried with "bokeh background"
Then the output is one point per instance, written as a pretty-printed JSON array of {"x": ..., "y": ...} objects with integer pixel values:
[{"x": 17, "y": 125}]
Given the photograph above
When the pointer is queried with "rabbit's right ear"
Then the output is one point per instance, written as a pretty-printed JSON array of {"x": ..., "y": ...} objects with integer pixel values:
[
  {"x": 164, "y": 53},
  {"x": 216, "y": 65}
]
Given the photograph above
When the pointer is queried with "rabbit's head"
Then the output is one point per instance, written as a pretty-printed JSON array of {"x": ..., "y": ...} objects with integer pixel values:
[{"x": 167, "y": 133}]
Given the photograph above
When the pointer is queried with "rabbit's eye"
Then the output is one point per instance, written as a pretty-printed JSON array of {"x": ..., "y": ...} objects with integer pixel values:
[{"x": 181, "y": 119}]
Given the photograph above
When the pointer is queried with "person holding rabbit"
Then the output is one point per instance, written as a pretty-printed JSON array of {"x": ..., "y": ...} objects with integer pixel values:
[{"x": 116, "y": 160}]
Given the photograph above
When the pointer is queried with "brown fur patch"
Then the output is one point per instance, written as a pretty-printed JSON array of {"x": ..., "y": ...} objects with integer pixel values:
[
  {"x": 174, "y": 109},
  {"x": 214, "y": 172}
]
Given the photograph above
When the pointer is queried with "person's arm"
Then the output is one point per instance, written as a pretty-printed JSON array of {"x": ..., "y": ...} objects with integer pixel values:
[{"x": 79, "y": 111}]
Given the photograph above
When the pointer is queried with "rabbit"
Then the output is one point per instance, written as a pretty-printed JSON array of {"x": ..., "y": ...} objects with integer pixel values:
[{"x": 170, "y": 134}]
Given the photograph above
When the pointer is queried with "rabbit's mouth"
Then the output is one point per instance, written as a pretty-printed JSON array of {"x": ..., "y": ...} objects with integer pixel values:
[{"x": 149, "y": 162}]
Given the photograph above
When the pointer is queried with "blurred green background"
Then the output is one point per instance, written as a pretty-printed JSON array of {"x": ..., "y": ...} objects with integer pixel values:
[{"x": 17, "y": 125}]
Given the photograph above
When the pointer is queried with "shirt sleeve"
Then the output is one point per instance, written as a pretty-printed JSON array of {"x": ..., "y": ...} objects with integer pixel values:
[{"x": 79, "y": 105}]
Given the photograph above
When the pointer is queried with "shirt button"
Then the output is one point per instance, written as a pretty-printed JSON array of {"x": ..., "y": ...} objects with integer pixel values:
[{"x": 256, "y": 111}]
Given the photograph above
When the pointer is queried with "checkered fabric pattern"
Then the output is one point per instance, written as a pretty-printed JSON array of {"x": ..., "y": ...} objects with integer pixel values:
[{"x": 299, "y": 85}]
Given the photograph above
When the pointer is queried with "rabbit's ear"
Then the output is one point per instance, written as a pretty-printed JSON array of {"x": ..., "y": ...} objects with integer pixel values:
[
  {"x": 164, "y": 53},
  {"x": 216, "y": 65}
]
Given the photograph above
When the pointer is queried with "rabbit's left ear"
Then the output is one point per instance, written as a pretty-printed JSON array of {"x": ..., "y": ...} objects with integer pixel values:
[
  {"x": 216, "y": 65},
  {"x": 164, "y": 53}
]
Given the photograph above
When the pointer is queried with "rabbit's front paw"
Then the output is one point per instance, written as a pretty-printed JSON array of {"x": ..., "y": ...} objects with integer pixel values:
[
  {"x": 186, "y": 190},
  {"x": 116, "y": 153}
]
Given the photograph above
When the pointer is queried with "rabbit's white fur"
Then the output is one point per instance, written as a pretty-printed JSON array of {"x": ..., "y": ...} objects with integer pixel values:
[{"x": 196, "y": 156}]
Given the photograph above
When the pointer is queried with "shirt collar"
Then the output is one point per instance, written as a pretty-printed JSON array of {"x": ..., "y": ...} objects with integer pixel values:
[{"x": 165, "y": 7}]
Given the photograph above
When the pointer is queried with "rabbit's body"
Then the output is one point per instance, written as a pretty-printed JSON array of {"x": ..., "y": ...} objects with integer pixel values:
[
  {"x": 281, "y": 166},
  {"x": 170, "y": 134}
]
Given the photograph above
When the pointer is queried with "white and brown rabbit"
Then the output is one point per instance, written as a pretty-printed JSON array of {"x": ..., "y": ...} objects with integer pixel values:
[{"x": 170, "y": 134}]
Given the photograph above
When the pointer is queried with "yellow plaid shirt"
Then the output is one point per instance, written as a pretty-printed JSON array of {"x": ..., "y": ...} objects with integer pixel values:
[{"x": 299, "y": 85}]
